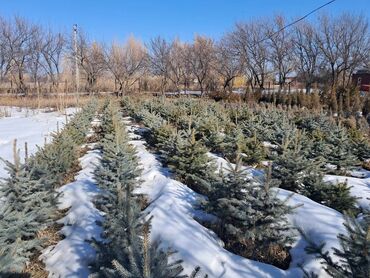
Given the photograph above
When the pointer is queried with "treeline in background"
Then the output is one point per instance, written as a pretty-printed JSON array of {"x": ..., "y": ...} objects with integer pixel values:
[{"x": 310, "y": 64}]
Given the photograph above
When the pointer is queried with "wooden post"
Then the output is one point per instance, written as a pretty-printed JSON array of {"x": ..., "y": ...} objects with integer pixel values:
[
  {"x": 25, "y": 152},
  {"x": 15, "y": 155}
]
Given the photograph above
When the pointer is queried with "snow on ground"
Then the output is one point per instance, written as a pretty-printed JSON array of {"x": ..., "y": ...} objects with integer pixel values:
[
  {"x": 173, "y": 223},
  {"x": 320, "y": 223},
  {"x": 173, "y": 206},
  {"x": 72, "y": 255},
  {"x": 25, "y": 125},
  {"x": 360, "y": 186}
]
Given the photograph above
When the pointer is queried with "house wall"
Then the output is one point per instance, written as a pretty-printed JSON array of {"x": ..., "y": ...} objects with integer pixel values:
[{"x": 361, "y": 79}]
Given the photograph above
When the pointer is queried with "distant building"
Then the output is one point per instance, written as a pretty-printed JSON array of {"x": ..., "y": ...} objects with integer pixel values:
[{"x": 362, "y": 79}]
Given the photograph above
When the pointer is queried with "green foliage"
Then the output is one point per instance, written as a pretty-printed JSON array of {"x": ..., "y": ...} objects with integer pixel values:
[
  {"x": 252, "y": 219},
  {"x": 337, "y": 196},
  {"x": 234, "y": 143},
  {"x": 190, "y": 162},
  {"x": 58, "y": 157},
  {"x": 29, "y": 201},
  {"x": 254, "y": 151},
  {"x": 125, "y": 249},
  {"x": 149, "y": 262},
  {"x": 354, "y": 254},
  {"x": 340, "y": 153},
  {"x": 305, "y": 144},
  {"x": 165, "y": 138},
  {"x": 361, "y": 148},
  {"x": 291, "y": 168}
]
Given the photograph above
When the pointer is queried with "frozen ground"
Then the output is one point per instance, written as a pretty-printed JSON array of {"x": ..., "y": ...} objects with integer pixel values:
[
  {"x": 72, "y": 255},
  {"x": 25, "y": 125},
  {"x": 173, "y": 207},
  {"x": 360, "y": 187}
]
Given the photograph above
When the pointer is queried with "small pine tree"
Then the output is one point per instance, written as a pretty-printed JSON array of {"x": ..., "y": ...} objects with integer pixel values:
[
  {"x": 191, "y": 164},
  {"x": 291, "y": 168},
  {"x": 317, "y": 146},
  {"x": 57, "y": 158},
  {"x": 340, "y": 153},
  {"x": 28, "y": 205},
  {"x": 165, "y": 137},
  {"x": 29, "y": 202},
  {"x": 234, "y": 142},
  {"x": 337, "y": 196},
  {"x": 125, "y": 250},
  {"x": 117, "y": 177},
  {"x": 354, "y": 255},
  {"x": 254, "y": 151},
  {"x": 361, "y": 148},
  {"x": 146, "y": 260},
  {"x": 252, "y": 219}
]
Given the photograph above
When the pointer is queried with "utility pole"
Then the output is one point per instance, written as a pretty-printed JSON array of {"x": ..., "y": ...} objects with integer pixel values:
[{"x": 77, "y": 74}]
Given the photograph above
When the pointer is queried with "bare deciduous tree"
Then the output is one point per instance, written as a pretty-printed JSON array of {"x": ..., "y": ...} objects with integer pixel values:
[
  {"x": 34, "y": 62},
  {"x": 250, "y": 41},
  {"x": 281, "y": 45},
  {"x": 355, "y": 47},
  {"x": 4, "y": 50},
  {"x": 200, "y": 58},
  {"x": 17, "y": 38},
  {"x": 159, "y": 59},
  {"x": 228, "y": 64},
  {"x": 127, "y": 63},
  {"x": 52, "y": 50},
  {"x": 177, "y": 65},
  {"x": 307, "y": 53},
  {"x": 91, "y": 60}
]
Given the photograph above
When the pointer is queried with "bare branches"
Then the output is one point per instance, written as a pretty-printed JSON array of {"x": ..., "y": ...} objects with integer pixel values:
[
  {"x": 159, "y": 59},
  {"x": 200, "y": 59},
  {"x": 127, "y": 63},
  {"x": 255, "y": 51},
  {"x": 228, "y": 64},
  {"x": 307, "y": 53},
  {"x": 260, "y": 52},
  {"x": 281, "y": 44},
  {"x": 52, "y": 50}
]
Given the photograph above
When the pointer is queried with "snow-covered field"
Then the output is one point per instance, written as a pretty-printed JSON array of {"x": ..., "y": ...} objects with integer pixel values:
[
  {"x": 174, "y": 207},
  {"x": 72, "y": 255},
  {"x": 25, "y": 125}
]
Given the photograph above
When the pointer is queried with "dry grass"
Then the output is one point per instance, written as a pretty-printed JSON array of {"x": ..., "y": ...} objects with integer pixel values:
[
  {"x": 274, "y": 254},
  {"x": 36, "y": 268},
  {"x": 54, "y": 102},
  {"x": 76, "y": 167},
  {"x": 366, "y": 165}
]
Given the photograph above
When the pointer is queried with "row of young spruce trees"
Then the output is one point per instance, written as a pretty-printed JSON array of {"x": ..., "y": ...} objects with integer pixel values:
[
  {"x": 28, "y": 195},
  {"x": 30, "y": 203},
  {"x": 252, "y": 220},
  {"x": 126, "y": 250}
]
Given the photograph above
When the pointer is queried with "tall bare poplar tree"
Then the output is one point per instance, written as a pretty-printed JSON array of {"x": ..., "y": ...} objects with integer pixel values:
[{"x": 127, "y": 63}]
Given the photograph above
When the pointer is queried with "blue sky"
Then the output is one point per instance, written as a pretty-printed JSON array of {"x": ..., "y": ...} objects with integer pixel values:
[{"x": 108, "y": 20}]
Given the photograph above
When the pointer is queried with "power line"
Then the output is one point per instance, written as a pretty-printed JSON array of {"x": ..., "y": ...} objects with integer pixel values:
[{"x": 296, "y": 21}]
